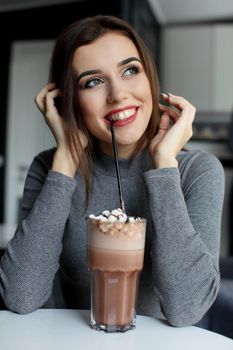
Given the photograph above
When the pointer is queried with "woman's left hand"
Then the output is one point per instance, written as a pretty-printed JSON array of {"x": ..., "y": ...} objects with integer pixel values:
[{"x": 170, "y": 139}]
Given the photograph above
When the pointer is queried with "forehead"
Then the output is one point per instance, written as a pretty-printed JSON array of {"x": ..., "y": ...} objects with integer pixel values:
[{"x": 109, "y": 49}]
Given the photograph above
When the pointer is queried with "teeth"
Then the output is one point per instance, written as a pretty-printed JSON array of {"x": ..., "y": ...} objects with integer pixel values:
[{"x": 122, "y": 115}]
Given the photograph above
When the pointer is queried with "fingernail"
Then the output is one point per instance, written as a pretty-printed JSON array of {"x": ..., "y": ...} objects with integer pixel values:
[{"x": 163, "y": 94}]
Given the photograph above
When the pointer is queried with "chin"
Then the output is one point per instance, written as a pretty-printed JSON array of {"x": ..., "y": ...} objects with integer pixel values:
[
  {"x": 127, "y": 142},
  {"x": 130, "y": 140}
]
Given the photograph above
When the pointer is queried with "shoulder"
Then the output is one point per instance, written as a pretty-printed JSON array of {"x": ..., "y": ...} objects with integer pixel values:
[
  {"x": 46, "y": 155},
  {"x": 43, "y": 161},
  {"x": 197, "y": 163}
]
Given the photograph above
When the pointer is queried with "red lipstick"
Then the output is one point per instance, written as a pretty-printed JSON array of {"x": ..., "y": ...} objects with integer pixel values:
[{"x": 119, "y": 123}]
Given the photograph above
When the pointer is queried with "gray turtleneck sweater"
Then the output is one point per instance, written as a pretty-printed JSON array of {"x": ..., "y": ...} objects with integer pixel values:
[{"x": 180, "y": 278}]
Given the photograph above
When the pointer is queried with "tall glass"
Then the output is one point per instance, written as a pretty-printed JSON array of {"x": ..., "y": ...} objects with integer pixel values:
[{"x": 115, "y": 259}]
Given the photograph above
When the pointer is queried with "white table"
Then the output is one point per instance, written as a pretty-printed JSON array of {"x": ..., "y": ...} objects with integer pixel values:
[{"x": 49, "y": 329}]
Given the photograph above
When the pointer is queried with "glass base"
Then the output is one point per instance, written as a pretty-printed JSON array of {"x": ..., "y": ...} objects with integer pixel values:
[{"x": 113, "y": 328}]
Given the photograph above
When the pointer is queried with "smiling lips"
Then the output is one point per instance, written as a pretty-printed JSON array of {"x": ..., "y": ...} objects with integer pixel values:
[{"x": 122, "y": 117}]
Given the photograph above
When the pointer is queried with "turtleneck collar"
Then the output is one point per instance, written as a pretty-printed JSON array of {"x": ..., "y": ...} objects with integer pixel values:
[{"x": 128, "y": 167}]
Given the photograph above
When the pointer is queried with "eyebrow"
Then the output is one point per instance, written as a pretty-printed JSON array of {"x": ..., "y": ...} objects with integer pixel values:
[{"x": 97, "y": 71}]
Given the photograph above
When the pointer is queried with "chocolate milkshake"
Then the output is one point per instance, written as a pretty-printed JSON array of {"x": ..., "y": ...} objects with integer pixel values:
[{"x": 115, "y": 258}]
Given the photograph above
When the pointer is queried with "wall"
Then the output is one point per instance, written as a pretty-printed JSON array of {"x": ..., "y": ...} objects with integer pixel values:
[
  {"x": 44, "y": 23},
  {"x": 194, "y": 57},
  {"x": 27, "y": 133}
]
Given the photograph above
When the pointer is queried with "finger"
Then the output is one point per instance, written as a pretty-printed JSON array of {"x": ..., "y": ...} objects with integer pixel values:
[
  {"x": 174, "y": 100},
  {"x": 164, "y": 96},
  {"x": 45, "y": 89},
  {"x": 164, "y": 124},
  {"x": 40, "y": 97},
  {"x": 174, "y": 106},
  {"x": 39, "y": 101},
  {"x": 49, "y": 101},
  {"x": 180, "y": 102},
  {"x": 171, "y": 111},
  {"x": 162, "y": 130}
]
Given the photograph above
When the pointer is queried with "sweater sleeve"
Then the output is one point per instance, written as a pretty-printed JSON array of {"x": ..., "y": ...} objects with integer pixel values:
[
  {"x": 29, "y": 264},
  {"x": 186, "y": 213}
]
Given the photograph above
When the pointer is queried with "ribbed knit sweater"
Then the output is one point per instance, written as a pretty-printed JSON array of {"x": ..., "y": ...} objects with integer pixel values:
[{"x": 183, "y": 207}]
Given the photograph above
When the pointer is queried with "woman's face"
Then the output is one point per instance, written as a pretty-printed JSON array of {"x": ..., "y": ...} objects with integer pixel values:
[{"x": 112, "y": 85}]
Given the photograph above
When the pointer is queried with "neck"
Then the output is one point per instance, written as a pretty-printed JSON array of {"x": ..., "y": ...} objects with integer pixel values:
[{"x": 124, "y": 151}]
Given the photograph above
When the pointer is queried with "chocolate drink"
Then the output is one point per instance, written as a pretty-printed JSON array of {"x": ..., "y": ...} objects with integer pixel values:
[{"x": 115, "y": 258}]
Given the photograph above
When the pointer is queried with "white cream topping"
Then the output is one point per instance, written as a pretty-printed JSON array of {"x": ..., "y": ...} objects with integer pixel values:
[
  {"x": 116, "y": 231},
  {"x": 116, "y": 215}
]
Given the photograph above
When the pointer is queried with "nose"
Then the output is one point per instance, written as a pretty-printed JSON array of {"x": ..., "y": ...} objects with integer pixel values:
[{"x": 116, "y": 92}]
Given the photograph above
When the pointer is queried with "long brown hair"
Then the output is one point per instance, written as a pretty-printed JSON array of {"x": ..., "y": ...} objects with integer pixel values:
[{"x": 84, "y": 32}]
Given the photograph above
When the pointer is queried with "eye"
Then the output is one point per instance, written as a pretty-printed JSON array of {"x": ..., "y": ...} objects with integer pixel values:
[
  {"x": 93, "y": 82},
  {"x": 131, "y": 71}
]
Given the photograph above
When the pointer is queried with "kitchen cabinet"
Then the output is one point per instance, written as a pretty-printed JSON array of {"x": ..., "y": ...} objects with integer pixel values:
[{"x": 197, "y": 62}]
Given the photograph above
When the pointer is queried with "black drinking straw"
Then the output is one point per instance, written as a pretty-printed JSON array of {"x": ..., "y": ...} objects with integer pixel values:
[{"x": 117, "y": 167}]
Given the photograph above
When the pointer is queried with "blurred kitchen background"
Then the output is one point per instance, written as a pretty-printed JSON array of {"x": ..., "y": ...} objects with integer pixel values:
[{"x": 191, "y": 41}]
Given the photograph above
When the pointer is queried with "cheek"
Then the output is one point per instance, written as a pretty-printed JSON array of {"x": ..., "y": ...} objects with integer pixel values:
[
  {"x": 144, "y": 91},
  {"x": 150, "y": 102},
  {"x": 87, "y": 112},
  {"x": 91, "y": 104},
  {"x": 84, "y": 106},
  {"x": 147, "y": 99}
]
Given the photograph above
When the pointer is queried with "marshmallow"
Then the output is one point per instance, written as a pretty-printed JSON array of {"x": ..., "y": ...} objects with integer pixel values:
[{"x": 113, "y": 216}]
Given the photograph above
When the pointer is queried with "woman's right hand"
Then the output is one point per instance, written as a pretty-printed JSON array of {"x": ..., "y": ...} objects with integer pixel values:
[{"x": 45, "y": 101}]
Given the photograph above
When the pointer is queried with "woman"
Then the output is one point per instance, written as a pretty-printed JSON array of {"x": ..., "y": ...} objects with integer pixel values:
[{"x": 100, "y": 72}]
